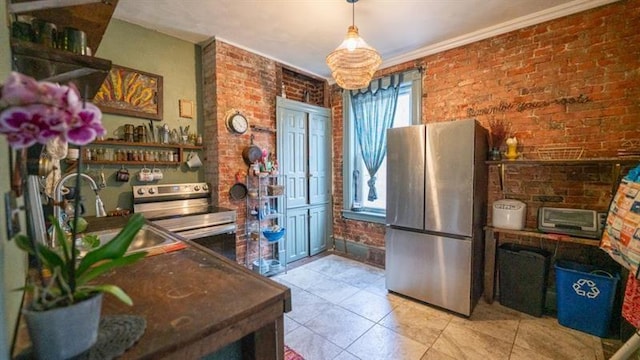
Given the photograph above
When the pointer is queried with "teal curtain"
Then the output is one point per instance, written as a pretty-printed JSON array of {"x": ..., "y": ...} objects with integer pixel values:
[{"x": 373, "y": 111}]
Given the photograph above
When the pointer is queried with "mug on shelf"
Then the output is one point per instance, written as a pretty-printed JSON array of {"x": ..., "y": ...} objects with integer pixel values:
[
  {"x": 193, "y": 160},
  {"x": 157, "y": 174},
  {"x": 145, "y": 175},
  {"x": 73, "y": 153},
  {"x": 122, "y": 175}
]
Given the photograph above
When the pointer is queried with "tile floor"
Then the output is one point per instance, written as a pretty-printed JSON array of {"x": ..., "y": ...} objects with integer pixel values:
[{"x": 342, "y": 310}]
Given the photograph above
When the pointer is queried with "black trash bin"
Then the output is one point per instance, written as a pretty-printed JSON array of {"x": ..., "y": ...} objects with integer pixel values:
[{"x": 523, "y": 277}]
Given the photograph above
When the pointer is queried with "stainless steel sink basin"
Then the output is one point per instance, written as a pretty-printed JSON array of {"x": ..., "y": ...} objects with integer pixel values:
[{"x": 147, "y": 238}]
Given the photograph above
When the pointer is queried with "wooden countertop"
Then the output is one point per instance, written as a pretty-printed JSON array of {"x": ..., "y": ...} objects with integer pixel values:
[{"x": 195, "y": 302}]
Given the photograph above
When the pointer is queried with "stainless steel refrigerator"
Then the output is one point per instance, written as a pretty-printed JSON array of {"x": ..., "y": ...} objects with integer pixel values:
[{"x": 436, "y": 209}]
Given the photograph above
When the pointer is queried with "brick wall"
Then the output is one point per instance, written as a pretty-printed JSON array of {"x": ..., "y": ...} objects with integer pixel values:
[
  {"x": 235, "y": 80},
  {"x": 592, "y": 55},
  {"x": 297, "y": 84}
]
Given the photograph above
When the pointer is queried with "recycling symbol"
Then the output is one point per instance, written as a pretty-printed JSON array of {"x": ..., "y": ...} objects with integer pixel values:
[{"x": 585, "y": 287}]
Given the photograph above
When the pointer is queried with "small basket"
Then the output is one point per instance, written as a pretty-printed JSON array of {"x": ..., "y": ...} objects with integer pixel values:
[
  {"x": 275, "y": 190},
  {"x": 560, "y": 153}
]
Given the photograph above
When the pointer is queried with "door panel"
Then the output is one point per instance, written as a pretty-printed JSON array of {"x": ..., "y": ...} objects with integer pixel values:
[
  {"x": 318, "y": 229},
  {"x": 294, "y": 155},
  {"x": 297, "y": 234},
  {"x": 430, "y": 268},
  {"x": 319, "y": 159}
]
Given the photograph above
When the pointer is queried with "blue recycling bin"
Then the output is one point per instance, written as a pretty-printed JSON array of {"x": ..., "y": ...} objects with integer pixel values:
[{"x": 585, "y": 297}]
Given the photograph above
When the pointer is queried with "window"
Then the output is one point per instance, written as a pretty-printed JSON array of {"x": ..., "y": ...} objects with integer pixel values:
[{"x": 356, "y": 204}]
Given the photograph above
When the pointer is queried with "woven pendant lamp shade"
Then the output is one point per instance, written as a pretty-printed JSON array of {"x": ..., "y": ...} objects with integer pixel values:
[{"x": 354, "y": 62}]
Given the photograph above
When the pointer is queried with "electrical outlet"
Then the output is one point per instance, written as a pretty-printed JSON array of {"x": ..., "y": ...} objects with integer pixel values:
[{"x": 11, "y": 213}]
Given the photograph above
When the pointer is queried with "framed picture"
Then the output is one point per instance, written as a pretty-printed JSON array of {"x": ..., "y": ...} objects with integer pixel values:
[
  {"x": 131, "y": 92},
  {"x": 186, "y": 108}
]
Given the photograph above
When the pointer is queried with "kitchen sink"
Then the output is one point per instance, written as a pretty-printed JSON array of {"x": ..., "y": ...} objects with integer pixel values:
[{"x": 147, "y": 238}]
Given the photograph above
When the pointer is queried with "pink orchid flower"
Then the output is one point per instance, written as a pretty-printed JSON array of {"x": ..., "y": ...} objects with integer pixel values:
[{"x": 36, "y": 112}]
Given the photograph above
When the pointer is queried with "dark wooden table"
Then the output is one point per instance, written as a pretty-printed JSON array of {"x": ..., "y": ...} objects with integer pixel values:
[{"x": 196, "y": 302}]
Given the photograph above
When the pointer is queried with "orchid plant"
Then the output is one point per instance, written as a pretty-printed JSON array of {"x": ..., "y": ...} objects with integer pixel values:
[
  {"x": 34, "y": 112},
  {"x": 37, "y": 112}
]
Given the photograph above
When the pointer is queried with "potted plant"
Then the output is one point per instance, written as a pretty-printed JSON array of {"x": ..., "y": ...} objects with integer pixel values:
[
  {"x": 33, "y": 112},
  {"x": 497, "y": 133}
]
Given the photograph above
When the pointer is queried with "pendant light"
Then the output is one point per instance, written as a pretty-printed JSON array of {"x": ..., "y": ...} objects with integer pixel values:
[{"x": 354, "y": 62}]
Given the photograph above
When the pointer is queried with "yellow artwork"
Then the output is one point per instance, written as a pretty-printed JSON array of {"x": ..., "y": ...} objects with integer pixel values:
[{"x": 131, "y": 92}]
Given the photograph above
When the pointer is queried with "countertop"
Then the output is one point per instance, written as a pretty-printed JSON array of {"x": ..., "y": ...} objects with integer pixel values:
[{"x": 196, "y": 302}]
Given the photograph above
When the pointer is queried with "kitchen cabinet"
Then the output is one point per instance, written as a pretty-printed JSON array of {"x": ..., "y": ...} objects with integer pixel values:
[
  {"x": 304, "y": 153},
  {"x": 309, "y": 231}
]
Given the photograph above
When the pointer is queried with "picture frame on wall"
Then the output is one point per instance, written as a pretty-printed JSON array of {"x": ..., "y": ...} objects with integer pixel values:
[
  {"x": 185, "y": 108},
  {"x": 131, "y": 92}
]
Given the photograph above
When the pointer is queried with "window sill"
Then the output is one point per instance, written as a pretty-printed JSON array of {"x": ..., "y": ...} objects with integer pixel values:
[{"x": 364, "y": 216}]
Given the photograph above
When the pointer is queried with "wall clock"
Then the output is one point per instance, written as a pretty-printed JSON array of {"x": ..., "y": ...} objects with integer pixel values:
[{"x": 238, "y": 123}]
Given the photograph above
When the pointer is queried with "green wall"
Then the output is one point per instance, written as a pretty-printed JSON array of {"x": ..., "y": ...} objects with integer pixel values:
[
  {"x": 126, "y": 45},
  {"x": 13, "y": 262},
  {"x": 132, "y": 46}
]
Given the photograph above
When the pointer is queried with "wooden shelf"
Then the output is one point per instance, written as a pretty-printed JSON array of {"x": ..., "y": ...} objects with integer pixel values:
[
  {"x": 492, "y": 238},
  {"x": 92, "y": 17},
  {"x": 616, "y": 160},
  {"x": 44, "y": 63},
  {"x": 545, "y": 236},
  {"x": 127, "y": 162},
  {"x": 142, "y": 144}
]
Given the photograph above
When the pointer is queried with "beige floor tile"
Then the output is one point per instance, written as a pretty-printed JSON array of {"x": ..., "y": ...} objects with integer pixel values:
[
  {"x": 520, "y": 353},
  {"x": 340, "y": 326},
  {"x": 380, "y": 343},
  {"x": 546, "y": 337},
  {"x": 302, "y": 277},
  {"x": 379, "y": 288},
  {"x": 305, "y": 306},
  {"x": 461, "y": 342},
  {"x": 290, "y": 324},
  {"x": 332, "y": 290},
  {"x": 360, "y": 277},
  {"x": 370, "y": 306},
  {"x": 345, "y": 355},
  {"x": 310, "y": 345},
  {"x": 416, "y": 321},
  {"x": 493, "y": 320},
  {"x": 433, "y": 354}
]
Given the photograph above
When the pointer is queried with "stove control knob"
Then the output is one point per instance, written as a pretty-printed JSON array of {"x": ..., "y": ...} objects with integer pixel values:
[
  {"x": 205, "y": 187},
  {"x": 196, "y": 188},
  {"x": 152, "y": 191},
  {"x": 140, "y": 191}
]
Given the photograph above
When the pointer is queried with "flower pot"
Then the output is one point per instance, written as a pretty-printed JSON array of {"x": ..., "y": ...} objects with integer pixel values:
[{"x": 64, "y": 332}]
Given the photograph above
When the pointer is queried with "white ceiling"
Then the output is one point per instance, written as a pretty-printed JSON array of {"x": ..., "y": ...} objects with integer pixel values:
[{"x": 300, "y": 33}]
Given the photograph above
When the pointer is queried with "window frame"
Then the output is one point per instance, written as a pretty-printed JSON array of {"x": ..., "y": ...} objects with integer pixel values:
[{"x": 411, "y": 78}]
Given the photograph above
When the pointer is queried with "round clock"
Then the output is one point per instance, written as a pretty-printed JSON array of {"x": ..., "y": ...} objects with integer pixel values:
[{"x": 238, "y": 123}]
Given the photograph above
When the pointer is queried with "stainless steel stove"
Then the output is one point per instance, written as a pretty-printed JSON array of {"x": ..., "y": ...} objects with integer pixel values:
[{"x": 186, "y": 210}]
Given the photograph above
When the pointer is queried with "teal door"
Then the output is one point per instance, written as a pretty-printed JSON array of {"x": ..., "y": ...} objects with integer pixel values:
[
  {"x": 318, "y": 228},
  {"x": 297, "y": 234}
]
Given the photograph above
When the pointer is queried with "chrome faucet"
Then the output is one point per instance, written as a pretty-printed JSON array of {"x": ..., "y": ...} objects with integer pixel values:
[{"x": 57, "y": 200}]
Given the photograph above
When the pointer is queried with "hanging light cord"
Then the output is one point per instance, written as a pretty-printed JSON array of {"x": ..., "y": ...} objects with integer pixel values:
[{"x": 353, "y": 13}]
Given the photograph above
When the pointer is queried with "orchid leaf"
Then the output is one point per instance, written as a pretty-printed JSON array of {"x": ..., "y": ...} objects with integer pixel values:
[
  {"x": 102, "y": 268},
  {"x": 50, "y": 258},
  {"x": 24, "y": 243},
  {"x": 114, "y": 248},
  {"x": 111, "y": 289}
]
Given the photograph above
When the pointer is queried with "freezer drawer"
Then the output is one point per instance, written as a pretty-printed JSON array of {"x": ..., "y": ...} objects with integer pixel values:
[{"x": 433, "y": 269}]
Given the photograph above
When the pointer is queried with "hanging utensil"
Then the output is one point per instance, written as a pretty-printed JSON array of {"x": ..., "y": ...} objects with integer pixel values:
[
  {"x": 238, "y": 190},
  {"x": 252, "y": 153}
]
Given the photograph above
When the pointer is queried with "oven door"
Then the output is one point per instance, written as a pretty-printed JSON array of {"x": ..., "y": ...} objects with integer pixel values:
[{"x": 219, "y": 238}]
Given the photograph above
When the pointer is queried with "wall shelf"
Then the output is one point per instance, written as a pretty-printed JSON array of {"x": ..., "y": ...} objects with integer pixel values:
[
  {"x": 146, "y": 144},
  {"x": 492, "y": 238},
  {"x": 616, "y": 163}
]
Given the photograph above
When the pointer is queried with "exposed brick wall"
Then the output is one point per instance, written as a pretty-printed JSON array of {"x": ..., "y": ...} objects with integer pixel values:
[
  {"x": 235, "y": 80},
  {"x": 594, "y": 53},
  {"x": 296, "y": 84}
]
